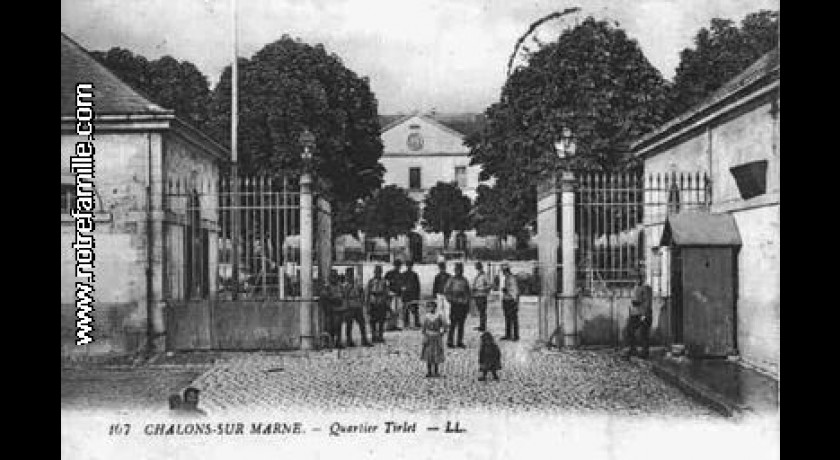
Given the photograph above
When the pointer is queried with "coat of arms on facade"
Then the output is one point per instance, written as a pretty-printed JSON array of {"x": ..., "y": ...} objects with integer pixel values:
[{"x": 415, "y": 141}]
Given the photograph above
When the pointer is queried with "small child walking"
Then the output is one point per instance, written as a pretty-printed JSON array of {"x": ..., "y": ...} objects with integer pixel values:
[
  {"x": 433, "y": 329},
  {"x": 489, "y": 357}
]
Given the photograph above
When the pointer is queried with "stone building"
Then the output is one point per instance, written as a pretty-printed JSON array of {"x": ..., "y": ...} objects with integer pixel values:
[
  {"x": 733, "y": 136},
  {"x": 420, "y": 150},
  {"x": 142, "y": 241}
]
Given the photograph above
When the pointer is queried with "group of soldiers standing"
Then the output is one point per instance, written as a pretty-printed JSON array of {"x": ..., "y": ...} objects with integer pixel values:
[{"x": 396, "y": 295}]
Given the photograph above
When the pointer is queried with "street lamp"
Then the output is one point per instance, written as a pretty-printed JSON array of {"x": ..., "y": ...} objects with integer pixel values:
[
  {"x": 565, "y": 146},
  {"x": 307, "y": 140}
]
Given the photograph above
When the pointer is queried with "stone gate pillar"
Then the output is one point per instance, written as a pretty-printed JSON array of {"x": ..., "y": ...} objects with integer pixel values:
[
  {"x": 568, "y": 295},
  {"x": 306, "y": 245},
  {"x": 325, "y": 257},
  {"x": 548, "y": 244}
]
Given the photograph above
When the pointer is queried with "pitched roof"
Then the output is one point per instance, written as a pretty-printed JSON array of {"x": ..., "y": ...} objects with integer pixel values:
[
  {"x": 111, "y": 95},
  {"x": 463, "y": 124},
  {"x": 764, "y": 71},
  {"x": 389, "y": 121},
  {"x": 700, "y": 229}
]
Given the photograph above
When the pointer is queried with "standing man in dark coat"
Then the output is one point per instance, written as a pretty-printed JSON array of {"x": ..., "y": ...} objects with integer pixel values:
[
  {"x": 510, "y": 302},
  {"x": 353, "y": 297},
  {"x": 332, "y": 301},
  {"x": 457, "y": 292},
  {"x": 377, "y": 301},
  {"x": 394, "y": 279},
  {"x": 480, "y": 290},
  {"x": 438, "y": 284},
  {"x": 410, "y": 295},
  {"x": 440, "y": 279},
  {"x": 640, "y": 319}
]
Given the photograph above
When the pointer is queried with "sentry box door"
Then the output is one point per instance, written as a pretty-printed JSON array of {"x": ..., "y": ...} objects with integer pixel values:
[
  {"x": 708, "y": 301},
  {"x": 704, "y": 281}
]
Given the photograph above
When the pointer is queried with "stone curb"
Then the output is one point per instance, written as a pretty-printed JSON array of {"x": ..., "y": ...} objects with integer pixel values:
[{"x": 700, "y": 392}]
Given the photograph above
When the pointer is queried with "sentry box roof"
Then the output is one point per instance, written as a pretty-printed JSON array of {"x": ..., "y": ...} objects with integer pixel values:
[{"x": 700, "y": 229}]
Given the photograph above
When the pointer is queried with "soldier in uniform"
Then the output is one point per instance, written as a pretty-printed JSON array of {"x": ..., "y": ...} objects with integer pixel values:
[
  {"x": 394, "y": 279},
  {"x": 353, "y": 298},
  {"x": 640, "y": 319},
  {"x": 377, "y": 301},
  {"x": 410, "y": 296},
  {"x": 457, "y": 292},
  {"x": 510, "y": 302},
  {"x": 332, "y": 302}
]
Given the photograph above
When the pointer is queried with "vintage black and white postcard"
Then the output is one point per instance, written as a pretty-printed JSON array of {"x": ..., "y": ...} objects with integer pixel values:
[{"x": 420, "y": 229}]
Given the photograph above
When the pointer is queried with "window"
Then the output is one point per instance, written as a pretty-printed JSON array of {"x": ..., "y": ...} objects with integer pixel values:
[
  {"x": 751, "y": 178},
  {"x": 68, "y": 198},
  {"x": 68, "y": 201},
  {"x": 461, "y": 176},
  {"x": 414, "y": 178}
]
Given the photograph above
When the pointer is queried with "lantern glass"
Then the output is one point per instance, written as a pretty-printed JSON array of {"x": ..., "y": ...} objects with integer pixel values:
[
  {"x": 307, "y": 140},
  {"x": 565, "y": 146}
]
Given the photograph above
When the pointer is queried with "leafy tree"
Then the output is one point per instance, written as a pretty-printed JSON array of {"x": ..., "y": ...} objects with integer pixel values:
[
  {"x": 173, "y": 84},
  {"x": 594, "y": 80},
  {"x": 496, "y": 214},
  {"x": 182, "y": 87},
  {"x": 446, "y": 209},
  {"x": 348, "y": 218},
  {"x": 289, "y": 86},
  {"x": 389, "y": 213},
  {"x": 720, "y": 52}
]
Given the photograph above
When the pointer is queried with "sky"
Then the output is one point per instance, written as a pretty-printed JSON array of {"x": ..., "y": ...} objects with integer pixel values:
[{"x": 443, "y": 55}]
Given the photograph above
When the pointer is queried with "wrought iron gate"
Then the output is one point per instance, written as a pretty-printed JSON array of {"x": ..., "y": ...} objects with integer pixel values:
[
  {"x": 233, "y": 275},
  {"x": 612, "y": 213}
]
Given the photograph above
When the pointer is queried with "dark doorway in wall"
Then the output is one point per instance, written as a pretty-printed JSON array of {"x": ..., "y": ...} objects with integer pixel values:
[
  {"x": 415, "y": 247},
  {"x": 461, "y": 242}
]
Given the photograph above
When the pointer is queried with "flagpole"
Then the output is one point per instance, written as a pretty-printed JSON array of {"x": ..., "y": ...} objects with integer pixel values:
[{"x": 234, "y": 170}]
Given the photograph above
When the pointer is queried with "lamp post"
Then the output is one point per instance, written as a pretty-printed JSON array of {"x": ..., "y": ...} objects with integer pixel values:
[
  {"x": 566, "y": 148},
  {"x": 307, "y": 141}
]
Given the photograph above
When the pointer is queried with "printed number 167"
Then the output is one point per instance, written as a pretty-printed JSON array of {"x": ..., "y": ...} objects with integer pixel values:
[{"x": 117, "y": 429}]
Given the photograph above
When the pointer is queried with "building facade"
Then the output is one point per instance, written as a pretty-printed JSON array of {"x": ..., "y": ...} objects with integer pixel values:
[
  {"x": 733, "y": 136},
  {"x": 420, "y": 150},
  {"x": 143, "y": 241}
]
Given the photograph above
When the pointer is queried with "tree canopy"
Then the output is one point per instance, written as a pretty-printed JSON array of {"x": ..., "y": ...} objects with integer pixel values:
[
  {"x": 594, "y": 80},
  {"x": 348, "y": 218},
  {"x": 496, "y": 214},
  {"x": 720, "y": 52},
  {"x": 289, "y": 86},
  {"x": 446, "y": 209},
  {"x": 173, "y": 84},
  {"x": 389, "y": 213}
]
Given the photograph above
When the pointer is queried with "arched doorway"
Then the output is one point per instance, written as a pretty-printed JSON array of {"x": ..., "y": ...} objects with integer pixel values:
[{"x": 415, "y": 247}]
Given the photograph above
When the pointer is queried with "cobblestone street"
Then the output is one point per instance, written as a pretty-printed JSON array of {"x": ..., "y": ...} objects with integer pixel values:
[
  {"x": 392, "y": 377},
  {"x": 127, "y": 389}
]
